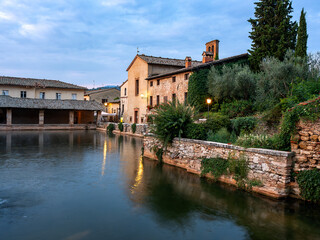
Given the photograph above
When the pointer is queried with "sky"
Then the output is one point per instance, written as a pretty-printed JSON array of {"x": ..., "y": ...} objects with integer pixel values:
[{"x": 92, "y": 42}]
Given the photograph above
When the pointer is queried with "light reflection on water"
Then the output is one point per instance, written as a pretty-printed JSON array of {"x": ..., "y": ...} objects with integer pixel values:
[{"x": 87, "y": 185}]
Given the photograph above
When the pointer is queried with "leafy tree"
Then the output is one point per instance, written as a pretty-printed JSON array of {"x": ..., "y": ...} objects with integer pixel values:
[
  {"x": 301, "y": 48},
  {"x": 232, "y": 82},
  {"x": 273, "y": 32},
  {"x": 278, "y": 78},
  {"x": 198, "y": 89}
]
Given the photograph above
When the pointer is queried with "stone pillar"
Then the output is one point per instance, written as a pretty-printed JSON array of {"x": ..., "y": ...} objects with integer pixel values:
[
  {"x": 98, "y": 117},
  {"x": 41, "y": 117},
  {"x": 71, "y": 117},
  {"x": 9, "y": 117}
]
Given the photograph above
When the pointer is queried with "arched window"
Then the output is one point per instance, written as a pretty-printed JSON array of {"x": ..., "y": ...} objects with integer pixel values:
[
  {"x": 212, "y": 48},
  {"x": 125, "y": 91},
  {"x": 209, "y": 49}
]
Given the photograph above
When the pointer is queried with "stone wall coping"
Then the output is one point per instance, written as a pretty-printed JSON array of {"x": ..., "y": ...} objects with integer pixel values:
[{"x": 230, "y": 146}]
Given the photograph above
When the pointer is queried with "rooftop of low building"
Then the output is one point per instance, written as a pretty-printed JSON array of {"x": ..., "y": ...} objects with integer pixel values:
[
  {"x": 34, "y": 103},
  {"x": 37, "y": 83}
]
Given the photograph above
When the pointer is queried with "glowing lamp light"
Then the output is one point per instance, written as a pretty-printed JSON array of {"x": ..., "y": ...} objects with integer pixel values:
[
  {"x": 141, "y": 95},
  {"x": 106, "y": 104},
  {"x": 209, "y": 100}
]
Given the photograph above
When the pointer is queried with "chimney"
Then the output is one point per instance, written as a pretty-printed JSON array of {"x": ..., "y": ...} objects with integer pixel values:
[
  {"x": 212, "y": 51},
  {"x": 188, "y": 62}
]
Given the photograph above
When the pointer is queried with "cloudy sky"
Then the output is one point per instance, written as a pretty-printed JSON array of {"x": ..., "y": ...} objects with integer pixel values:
[{"x": 91, "y": 42}]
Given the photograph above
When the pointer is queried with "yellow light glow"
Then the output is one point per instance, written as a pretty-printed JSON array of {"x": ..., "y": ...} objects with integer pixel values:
[
  {"x": 105, "y": 149},
  {"x": 141, "y": 95},
  {"x": 209, "y": 100},
  {"x": 138, "y": 178},
  {"x": 106, "y": 104}
]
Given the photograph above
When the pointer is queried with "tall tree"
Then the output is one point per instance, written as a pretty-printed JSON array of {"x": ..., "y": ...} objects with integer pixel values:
[
  {"x": 301, "y": 48},
  {"x": 273, "y": 32}
]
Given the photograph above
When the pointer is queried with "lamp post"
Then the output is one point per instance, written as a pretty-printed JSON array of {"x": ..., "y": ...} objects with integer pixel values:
[{"x": 208, "y": 102}]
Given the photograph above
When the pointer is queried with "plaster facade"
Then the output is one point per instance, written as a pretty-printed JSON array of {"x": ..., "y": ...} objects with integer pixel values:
[{"x": 50, "y": 93}]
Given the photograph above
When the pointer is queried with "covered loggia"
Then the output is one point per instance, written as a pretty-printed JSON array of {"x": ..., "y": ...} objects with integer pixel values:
[
  {"x": 25, "y": 116},
  {"x": 3, "y": 116},
  {"x": 56, "y": 116}
]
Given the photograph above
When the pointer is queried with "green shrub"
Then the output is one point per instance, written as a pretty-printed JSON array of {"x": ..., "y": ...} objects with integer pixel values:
[
  {"x": 222, "y": 136},
  {"x": 243, "y": 124},
  {"x": 134, "y": 127},
  {"x": 238, "y": 108},
  {"x": 256, "y": 141},
  {"x": 171, "y": 120},
  {"x": 216, "y": 166},
  {"x": 196, "y": 131},
  {"x": 120, "y": 126},
  {"x": 217, "y": 121},
  {"x": 240, "y": 169},
  {"x": 273, "y": 116},
  {"x": 110, "y": 128},
  {"x": 309, "y": 184}
]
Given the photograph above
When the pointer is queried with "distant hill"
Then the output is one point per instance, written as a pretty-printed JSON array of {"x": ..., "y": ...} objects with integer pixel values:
[{"x": 105, "y": 87}]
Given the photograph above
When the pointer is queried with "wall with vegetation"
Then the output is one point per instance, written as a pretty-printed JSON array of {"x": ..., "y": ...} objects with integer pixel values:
[{"x": 268, "y": 171}]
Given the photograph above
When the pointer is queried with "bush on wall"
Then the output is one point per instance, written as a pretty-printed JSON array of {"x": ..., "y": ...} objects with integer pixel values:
[{"x": 309, "y": 185}]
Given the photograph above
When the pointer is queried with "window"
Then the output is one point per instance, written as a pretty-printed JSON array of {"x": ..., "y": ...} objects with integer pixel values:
[
  {"x": 151, "y": 103},
  {"x": 104, "y": 100},
  {"x": 209, "y": 50},
  {"x": 130, "y": 118},
  {"x": 74, "y": 96},
  {"x": 151, "y": 84},
  {"x": 125, "y": 91},
  {"x": 58, "y": 96},
  {"x": 5, "y": 92},
  {"x": 137, "y": 87},
  {"x": 165, "y": 99},
  {"x": 23, "y": 94},
  {"x": 142, "y": 120},
  {"x": 173, "y": 97},
  {"x": 185, "y": 98},
  {"x": 158, "y": 82},
  {"x": 42, "y": 95},
  {"x": 174, "y": 79},
  {"x": 186, "y": 76},
  {"x": 158, "y": 100},
  {"x": 122, "y": 108}
]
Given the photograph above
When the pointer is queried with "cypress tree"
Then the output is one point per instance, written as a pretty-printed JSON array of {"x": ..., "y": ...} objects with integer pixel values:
[
  {"x": 273, "y": 32},
  {"x": 301, "y": 48}
]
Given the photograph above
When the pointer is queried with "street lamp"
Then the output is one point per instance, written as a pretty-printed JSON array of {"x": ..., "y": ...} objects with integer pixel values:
[{"x": 209, "y": 100}]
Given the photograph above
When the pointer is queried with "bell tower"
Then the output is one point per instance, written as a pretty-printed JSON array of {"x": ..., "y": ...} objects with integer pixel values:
[{"x": 212, "y": 51}]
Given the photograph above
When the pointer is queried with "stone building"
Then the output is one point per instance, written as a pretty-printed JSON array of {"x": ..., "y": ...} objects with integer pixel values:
[
  {"x": 124, "y": 98},
  {"x": 155, "y": 80},
  {"x": 109, "y": 97},
  {"x": 28, "y": 103}
]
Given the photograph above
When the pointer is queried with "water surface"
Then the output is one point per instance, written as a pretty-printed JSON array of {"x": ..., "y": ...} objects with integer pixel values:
[{"x": 87, "y": 185}]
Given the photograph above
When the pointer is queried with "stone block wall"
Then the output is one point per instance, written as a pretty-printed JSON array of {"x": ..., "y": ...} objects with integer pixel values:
[
  {"x": 306, "y": 145},
  {"x": 272, "y": 168},
  {"x": 141, "y": 129}
]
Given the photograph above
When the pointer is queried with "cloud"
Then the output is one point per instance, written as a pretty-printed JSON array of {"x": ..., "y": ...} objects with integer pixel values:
[
  {"x": 113, "y": 3},
  {"x": 7, "y": 16}
]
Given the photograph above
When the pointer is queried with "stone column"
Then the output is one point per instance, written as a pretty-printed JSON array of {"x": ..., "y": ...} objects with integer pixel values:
[
  {"x": 9, "y": 117},
  {"x": 98, "y": 117},
  {"x": 41, "y": 117},
  {"x": 71, "y": 117}
]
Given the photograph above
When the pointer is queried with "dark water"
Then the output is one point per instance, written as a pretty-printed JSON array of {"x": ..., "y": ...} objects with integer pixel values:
[{"x": 86, "y": 185}]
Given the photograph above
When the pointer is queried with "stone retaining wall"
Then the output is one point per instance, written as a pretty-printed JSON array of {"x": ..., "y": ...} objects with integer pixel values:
[
  {"x": 306, "y": 145},
  {"x": 272, "y": 168},
  {"x": 141, "y": 129}
]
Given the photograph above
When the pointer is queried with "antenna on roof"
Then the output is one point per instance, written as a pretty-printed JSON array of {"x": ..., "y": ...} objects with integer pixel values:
[{"x": 138, "y": 50}]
